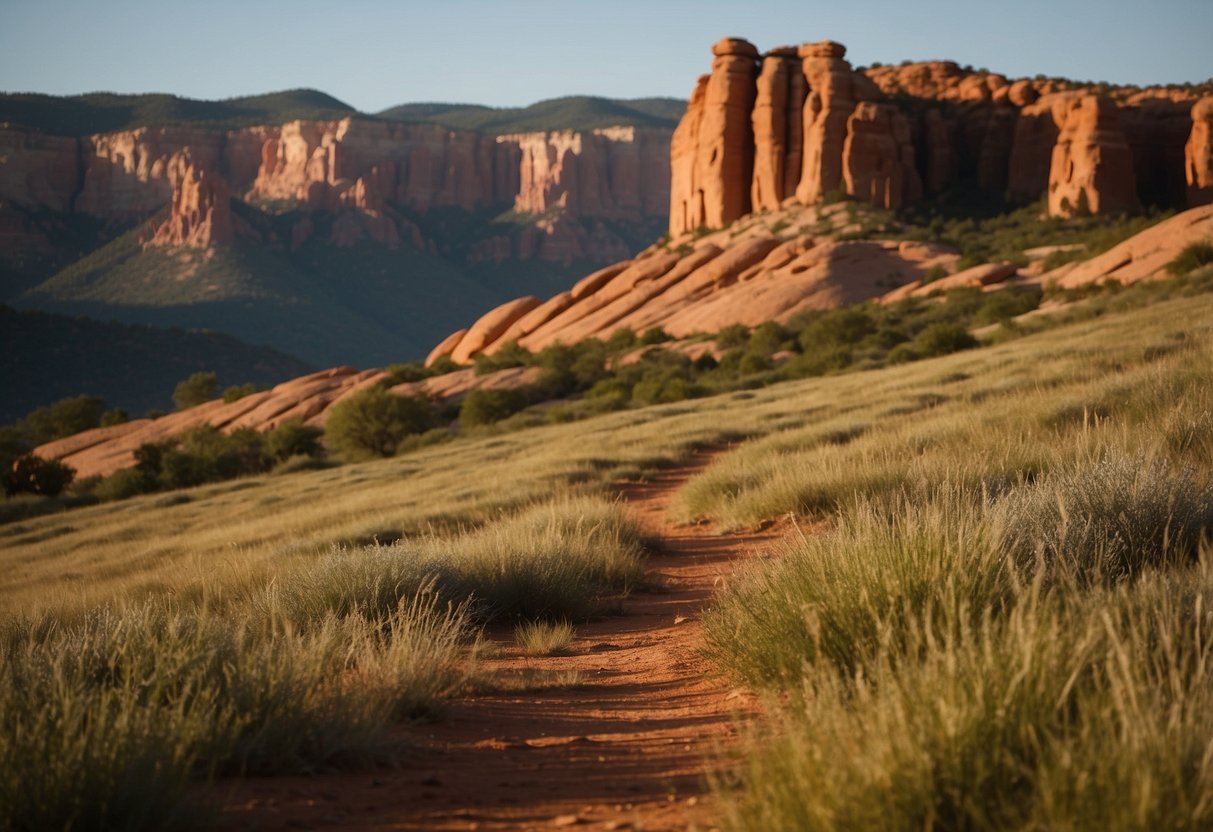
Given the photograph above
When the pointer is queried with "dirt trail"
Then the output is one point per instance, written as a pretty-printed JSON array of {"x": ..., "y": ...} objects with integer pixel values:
[{"x": 626, "y": 748}]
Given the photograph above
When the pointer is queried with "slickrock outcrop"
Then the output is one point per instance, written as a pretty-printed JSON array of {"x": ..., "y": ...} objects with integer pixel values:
[
  {"x": 1198, "y": 154},
  {"x": 778, "y": 129},
  {"x": 977, "y": 277},
  {"x": 712, "y": 152},
  {"x": 1143, "y": 256},
  {"x": 200, "y": 210},
  {"x": 878, "y": 157},
  {"x": 724, "y": 278},
  {"x": 490, "y": 327},
  {"x": 1092, "y": 165},
  {"x": 827, "y": 110},
  {"x": 101, "y": 451}
]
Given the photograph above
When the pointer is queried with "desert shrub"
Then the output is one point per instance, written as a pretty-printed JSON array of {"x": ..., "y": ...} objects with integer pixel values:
[
  {"x": 561, "y": 561},
  {"x": 32, "y": 474},
  {"x": 1190, "y": 258},
  {"x": 942, "y": 339},
  {"x": 654, "y": 335},
  {"x": 544, "y": 638},
  {"x": 293, "y": 438},
  {"x": 732, "y": 336},
  {"x": 117, "y": 416},
  {"x": 372, "y": 422},
  {"x": 510, "y": 354},
  {"x": 123, "y": 484},
  {"x": 936, "y": 272},
  {"x": 238, "y": 391},
  {"x": 106, "y": 720},
  {"x": 406, "y": 373},
  {"x": 198, "y": 389},
  {"x": 841, "y": 328},
  {"x": 620, "y": 341},
  {"x": 1004, "y": 305},
  {"x": 565, "y": 370},
  {"x": 1107, "y": 520},
  {"x": 484, "y": 407},
  {"x": 63, "y": 418}
]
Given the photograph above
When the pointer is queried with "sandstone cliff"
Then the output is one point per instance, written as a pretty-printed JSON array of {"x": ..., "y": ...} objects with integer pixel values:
[
  {"x": 200, "y": 212},
  {"x": 890, "y": 135},
  {"x": 1198, "y": 154},
  {"x": 562, "y": 185}
]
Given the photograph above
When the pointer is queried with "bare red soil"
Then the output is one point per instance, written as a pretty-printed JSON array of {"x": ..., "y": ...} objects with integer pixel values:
[{"x": 630, "y": 746}]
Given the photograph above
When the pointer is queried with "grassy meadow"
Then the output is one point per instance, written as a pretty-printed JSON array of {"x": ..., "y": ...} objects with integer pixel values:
[{"x": 1005, "y": 622}]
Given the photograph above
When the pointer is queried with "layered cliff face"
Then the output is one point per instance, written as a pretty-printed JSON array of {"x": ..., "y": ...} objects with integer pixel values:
[
  {"x": 358, "y": 169},
  {"x": 890, "y": 135}
]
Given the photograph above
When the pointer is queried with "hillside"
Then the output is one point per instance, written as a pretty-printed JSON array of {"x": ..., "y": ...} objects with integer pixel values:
[
  {"x": 46, "y": 357},
  {"x": 1028, "y": 420},
  {"x": 103, "y": 112},
  {"x": 576, "y": 112}
]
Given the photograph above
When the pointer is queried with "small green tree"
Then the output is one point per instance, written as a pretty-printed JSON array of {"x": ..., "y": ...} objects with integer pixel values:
[
  {"x": 238, "y": 391},
  {"x": 293, "y": 438},
  {"x": 484, "y": 407},
  {"x": 199, "y": 388},
  {"x": 34, "y": 475},
  {"x": 373, "y": 421}
]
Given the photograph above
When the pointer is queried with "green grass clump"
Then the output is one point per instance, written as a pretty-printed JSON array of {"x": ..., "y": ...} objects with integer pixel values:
[
  {"x": 974, "y": 687},
  {"x": 563, "y": 560},
  {"x": 1192, "y": 257},
  {"x": 544, "y": 638},
  {"x": 105, "y": 721},
  {"x": 1092, "y": 715}
]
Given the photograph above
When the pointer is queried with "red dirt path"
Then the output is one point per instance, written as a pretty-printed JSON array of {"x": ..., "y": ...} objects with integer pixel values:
[{"x": 627, "y": 748}]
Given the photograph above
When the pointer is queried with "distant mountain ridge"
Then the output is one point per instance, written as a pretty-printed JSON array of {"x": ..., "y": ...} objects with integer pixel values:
[
  {"x": 45, "y": 357},
  {"x": 103, "y": 112},
  {"x": 574, "y": 112}
]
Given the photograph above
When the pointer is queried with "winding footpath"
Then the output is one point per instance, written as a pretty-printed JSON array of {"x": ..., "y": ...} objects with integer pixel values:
[{"x": 629, "y": 746}]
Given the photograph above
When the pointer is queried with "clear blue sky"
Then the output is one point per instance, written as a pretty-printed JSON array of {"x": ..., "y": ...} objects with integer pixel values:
[{"x": 375, "y": 53}]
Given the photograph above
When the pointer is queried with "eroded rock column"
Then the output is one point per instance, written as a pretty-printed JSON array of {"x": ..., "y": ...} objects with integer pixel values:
[{"x": 778, "y": 128}]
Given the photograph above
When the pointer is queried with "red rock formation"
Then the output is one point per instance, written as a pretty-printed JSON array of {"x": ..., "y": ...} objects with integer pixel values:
[
  {"x": 1198, "y": 153},
  {"x": 1143, "y": 256},
  {"x": 778, "y": 129},
  {"x": 829, "y": 105},
  {"x": 613, "y": 173},
  {"x": 712, "y": 152},
  {"x": 1092, "y": 165},
  {"x": 878, "y": 157},
  {"x": 490, "y": 327},
  {"x": 126, "y": 174},
  {"x": 200, "y": 208},
  {"x": 1036, "y": 133}
]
